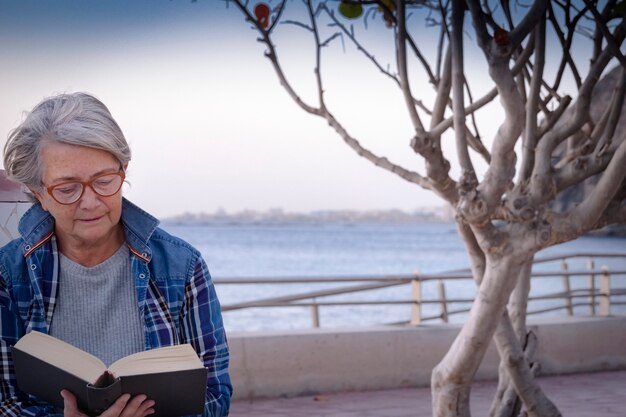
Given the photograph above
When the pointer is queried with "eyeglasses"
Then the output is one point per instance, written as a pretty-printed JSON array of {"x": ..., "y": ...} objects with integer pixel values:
[{"x": 70, "y": 192}]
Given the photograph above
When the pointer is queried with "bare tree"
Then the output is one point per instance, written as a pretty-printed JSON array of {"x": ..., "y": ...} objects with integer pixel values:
[{"x": 547, "y": 142}]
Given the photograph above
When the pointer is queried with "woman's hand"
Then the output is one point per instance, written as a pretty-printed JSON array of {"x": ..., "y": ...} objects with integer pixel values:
[{"x": 124, "y": 406}]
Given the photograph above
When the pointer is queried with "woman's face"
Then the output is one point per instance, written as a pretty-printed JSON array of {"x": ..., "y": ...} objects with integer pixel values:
[{"x": 93, "y": 220}]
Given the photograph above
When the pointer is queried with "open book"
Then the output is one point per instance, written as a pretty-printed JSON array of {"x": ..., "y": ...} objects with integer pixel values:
[{"x": 173, "y": 376}]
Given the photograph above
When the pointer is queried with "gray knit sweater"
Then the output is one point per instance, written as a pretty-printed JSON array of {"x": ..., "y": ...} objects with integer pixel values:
[{"x": 97, "y": 308}]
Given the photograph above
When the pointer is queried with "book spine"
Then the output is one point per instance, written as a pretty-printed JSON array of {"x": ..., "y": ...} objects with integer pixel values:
[{"x": 99, "y": 399}]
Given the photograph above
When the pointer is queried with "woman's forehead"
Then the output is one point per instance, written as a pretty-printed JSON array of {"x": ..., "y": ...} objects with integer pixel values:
[{"x": 61, "y": 161}]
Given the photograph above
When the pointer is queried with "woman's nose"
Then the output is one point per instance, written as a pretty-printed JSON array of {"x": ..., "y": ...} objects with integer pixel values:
[{"x": 89, "y": 198}]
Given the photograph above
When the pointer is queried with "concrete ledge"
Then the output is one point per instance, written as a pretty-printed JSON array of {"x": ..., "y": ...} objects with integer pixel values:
[{"x": 275, "y": 364}]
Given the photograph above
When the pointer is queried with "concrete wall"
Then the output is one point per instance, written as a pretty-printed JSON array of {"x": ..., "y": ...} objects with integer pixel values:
[
  {"x": 330, "y": 360},
  {"x": 13, "y": 204}
]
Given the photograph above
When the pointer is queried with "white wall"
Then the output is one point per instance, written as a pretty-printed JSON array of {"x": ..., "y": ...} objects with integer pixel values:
[
  {"x": 10, "y": 213},
  {"x": 330, "y": 360},
  {"x": 13, "y": 204}
]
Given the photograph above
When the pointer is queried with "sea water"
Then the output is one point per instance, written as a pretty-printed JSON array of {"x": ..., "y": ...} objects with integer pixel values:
[{"x": 353, "y": 250}]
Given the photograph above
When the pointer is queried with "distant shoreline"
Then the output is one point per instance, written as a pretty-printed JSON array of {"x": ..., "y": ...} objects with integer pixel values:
[
  {"x": 171, "y": 222},
  {"x": 278, "y": 216}
]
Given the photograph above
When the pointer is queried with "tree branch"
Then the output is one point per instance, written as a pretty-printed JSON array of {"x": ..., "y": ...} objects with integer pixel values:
[
  {"x": 553, "y": 117},
  {"x": 528, "y": 23},
  {"x": 581, "y": 168},
  {"x": 403, "y": 69},
  {"x": 473, "y": 107},
  {"x": 443, "y": 94},
  {"x": 428, "y": 144},
  {"x": 381, "y": 162},
  {"x": 368, "y": 55},
  {"x": 322, "y": 111},
  {"x": 615, "y": 213},
  {"x": 318, "y": 56},
  {"x": 542, "y": 186},
  {"x": 476, "y": 254},
  {"x": 611, "y": 42},
  {"x": 586, "y": 215},
  {"x": 530, "y": 132},
  {"x": 615, "y": 112},
  {"x": 458, "y": 81},
  {"x": 566, "y": 44},
  {"x": 477, "y": 208}
]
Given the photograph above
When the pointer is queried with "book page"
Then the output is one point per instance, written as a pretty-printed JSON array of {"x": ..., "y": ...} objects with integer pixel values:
[
  {"x": 62, "y": 355},
  {"x": 165, "y": 359}
]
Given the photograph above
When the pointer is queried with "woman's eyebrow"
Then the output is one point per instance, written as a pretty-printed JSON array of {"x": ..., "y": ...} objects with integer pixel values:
[{"x": 94, "y": 175}]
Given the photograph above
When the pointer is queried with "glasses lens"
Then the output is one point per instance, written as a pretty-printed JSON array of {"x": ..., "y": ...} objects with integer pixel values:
[
  {"x": 67, "y": 193},
  {"x": 107, "y": 185}
]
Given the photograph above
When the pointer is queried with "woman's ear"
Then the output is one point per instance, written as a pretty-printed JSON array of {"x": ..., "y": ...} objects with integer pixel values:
[{"x": 39, "y": 198}]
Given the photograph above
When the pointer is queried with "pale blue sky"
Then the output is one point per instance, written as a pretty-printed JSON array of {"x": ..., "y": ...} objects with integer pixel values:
[{"x": 208, "y": 123}]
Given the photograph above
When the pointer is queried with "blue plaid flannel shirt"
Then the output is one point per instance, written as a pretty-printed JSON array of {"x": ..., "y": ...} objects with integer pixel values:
[{"x": 175, "y": 295}]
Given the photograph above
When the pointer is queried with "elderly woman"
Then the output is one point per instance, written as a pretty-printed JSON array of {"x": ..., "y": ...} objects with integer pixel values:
[{"x": 91, "y": 268}]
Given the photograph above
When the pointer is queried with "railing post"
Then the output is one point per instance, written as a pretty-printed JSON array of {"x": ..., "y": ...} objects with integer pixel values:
[
  {"x": 605, "y": 291},
  {"x": 568, "y": 289},
  {"x": 315, "y": 315},
  {"x": 416, "y": 297},
  {"x": 444, "y": 302},
  {"x": 591, "y": 283}
]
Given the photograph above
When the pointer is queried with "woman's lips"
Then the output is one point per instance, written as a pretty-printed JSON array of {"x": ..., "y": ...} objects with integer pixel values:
[{"x": 91, "y": 220}]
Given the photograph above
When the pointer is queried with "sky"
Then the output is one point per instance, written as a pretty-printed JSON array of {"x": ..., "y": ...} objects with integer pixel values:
[{"x": 208, "y": 123}]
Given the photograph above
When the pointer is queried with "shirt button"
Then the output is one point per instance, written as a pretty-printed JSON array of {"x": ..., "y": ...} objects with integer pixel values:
[{"x": 142, "y": 276}]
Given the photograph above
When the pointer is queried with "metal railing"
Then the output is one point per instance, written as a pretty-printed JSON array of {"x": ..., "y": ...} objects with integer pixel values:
[{"x": 599, "y": 293}]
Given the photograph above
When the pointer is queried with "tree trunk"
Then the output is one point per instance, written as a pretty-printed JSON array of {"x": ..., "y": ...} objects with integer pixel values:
[
  {"x": 506, "y": 402},
  {"x": 520, "y": 373},
  {"x": 452, "y": 377}
]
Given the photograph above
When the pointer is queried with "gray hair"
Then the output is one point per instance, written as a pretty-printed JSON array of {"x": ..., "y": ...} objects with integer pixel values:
[{"x": 74, "y": 119}]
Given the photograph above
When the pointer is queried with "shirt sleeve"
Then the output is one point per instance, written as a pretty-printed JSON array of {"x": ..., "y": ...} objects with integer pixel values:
[
  {"x": 13, "y": 402},
  {"x": 203, "y": 328}
]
